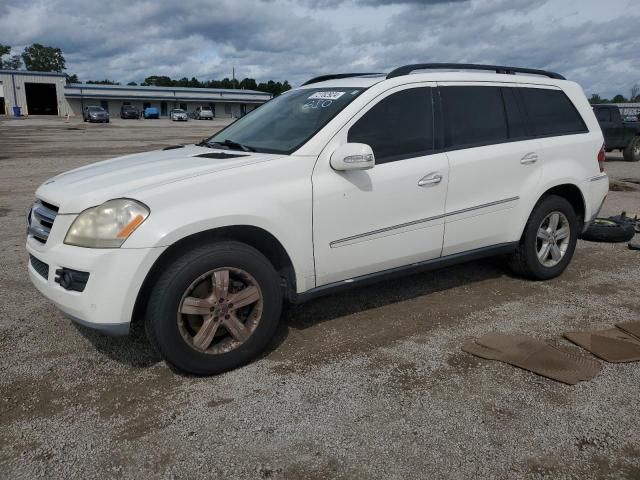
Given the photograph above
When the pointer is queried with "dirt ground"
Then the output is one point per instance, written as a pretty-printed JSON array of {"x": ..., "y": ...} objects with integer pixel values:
[{"x": 369, "y": 383}]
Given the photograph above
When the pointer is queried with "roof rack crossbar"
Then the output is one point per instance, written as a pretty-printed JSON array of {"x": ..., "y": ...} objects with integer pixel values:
[
  {"x": 324, "y": 78},
  {"x": 407, "y": 69}
]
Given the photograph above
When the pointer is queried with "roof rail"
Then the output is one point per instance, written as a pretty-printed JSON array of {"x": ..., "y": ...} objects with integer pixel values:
[
  {"x": 324, "y": 78},
  {"x": 407, "y": 69}
]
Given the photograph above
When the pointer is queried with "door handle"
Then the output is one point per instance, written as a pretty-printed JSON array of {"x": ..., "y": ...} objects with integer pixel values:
[
  {"x": 529, "y": 158},
  {"x": 430, "y": 179}
]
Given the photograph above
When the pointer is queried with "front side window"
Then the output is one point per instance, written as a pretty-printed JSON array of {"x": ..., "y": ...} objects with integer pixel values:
[
  {"x": 551, "y": 112},
  {"x": 473, "y": 116},
  {"x": 399, "y": 126},
  {"x": 284, "y": 124}
]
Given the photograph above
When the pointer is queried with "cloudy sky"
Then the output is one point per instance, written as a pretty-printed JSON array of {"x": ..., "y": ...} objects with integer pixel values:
[{"x": 594, "y": 42}]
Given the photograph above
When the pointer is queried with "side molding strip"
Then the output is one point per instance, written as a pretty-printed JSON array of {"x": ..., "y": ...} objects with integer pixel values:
[{"x": 353, "y": 239}]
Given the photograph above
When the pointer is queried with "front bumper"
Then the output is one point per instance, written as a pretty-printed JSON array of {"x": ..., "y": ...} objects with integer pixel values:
[{"x": 115, "y": 278}]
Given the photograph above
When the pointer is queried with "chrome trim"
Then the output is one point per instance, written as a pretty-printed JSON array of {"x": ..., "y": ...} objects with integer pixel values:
[
  {"x": 350, "y": 240},
  {"x": 40, "y": 221},
  {"x": 599, "y": 177}
]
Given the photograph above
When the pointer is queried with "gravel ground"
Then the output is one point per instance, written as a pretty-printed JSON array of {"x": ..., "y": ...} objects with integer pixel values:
[{"x": 366, "y": 384}]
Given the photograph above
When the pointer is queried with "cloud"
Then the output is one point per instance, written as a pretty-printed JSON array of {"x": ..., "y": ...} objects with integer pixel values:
[{"x": 593, "y": 43}]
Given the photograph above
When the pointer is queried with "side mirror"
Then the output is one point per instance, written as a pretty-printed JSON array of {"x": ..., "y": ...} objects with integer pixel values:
[{"x": 353, "y": 156}]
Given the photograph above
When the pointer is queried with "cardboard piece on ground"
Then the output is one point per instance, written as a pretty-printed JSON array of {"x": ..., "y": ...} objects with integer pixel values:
[
  {"x": 535, "y": 356},
  {"x": 632, "y": 327},
  {"x": 612, "y": 345}
]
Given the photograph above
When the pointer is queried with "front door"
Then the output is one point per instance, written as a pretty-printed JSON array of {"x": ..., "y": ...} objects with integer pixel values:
[
  {"x": 367, "y": 221},
  {"x": 163, "y": 109}
]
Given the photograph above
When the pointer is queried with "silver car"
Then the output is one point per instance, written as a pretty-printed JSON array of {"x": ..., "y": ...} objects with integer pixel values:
[
  {"x": 93, "y": 113},
  {"x": 178, "y": 115}
]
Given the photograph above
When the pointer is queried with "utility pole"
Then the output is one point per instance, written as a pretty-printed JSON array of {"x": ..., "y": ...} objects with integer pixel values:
[{"x": 233, "y": 75}]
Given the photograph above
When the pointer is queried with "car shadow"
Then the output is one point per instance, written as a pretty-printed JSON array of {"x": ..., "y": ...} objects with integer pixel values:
[{"x": 136, "y": 351}]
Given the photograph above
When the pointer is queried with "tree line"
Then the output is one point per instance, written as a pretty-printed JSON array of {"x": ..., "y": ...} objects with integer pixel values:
[
  {"x": 634, "y": 97},
  {"x": 42, "y": 58}
]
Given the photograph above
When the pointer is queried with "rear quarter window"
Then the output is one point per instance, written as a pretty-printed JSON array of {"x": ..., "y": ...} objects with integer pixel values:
[{"x": 551, "y": 112}]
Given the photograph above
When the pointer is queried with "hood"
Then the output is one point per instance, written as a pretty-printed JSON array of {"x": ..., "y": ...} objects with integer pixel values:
[{"x": 131, "y": 175}]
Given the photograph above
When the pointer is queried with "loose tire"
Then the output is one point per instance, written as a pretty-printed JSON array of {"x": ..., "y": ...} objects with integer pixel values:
[
  {"x": 214, "y": 308},
  {"x": 548, "y": 241},
  {"x": 605, "y": 230},
  {"x": 632, "y": 152}
]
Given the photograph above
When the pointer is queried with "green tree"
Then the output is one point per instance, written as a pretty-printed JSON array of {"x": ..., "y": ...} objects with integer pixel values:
[
  {"x": 106, "y": 81},
  {"x": 133, "y": 84},
  {"x": 634, "y": 95},
  {"x": 73, "y": 79},
  {"x": 14, "y": 62},
  {"x": 41, "y": 58},
  {"x": 619, "y": 99}
]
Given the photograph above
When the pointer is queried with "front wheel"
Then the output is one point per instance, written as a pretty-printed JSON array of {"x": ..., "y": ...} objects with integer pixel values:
[
  {"x": 215, "y": 308},
  {"x": 548, "y": 241}
]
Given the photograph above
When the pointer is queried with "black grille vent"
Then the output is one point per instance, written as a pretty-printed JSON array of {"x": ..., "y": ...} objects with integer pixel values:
[{"x": 40, "y": 267}]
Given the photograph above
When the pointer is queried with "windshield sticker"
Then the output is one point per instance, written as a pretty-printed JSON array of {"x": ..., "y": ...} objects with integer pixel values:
[
  {"x": 317, "y": 103},
  {"x": 326, "y": 95}
]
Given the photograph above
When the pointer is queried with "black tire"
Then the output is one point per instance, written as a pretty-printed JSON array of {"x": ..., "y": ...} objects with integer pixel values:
[
  {"x": 605, "y": 230},
  {"x": 161, "y": 320},
  {"x": 524, "y": 261},
  {"x": 632, "y": 152}
]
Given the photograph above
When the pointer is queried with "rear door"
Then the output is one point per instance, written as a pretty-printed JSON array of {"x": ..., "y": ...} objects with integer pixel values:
[
  {"x": 611, "y": 129},
  {"x": 494, "y": 164},
  {"x": 366, "y": 221}
]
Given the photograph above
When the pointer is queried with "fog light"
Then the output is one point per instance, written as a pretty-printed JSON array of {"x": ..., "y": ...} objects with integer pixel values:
[{"x": 71, "y": 279}]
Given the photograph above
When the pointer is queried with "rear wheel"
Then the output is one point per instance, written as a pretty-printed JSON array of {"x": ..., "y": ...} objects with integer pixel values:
[
  {"x": 215, "y": 308},
  {"x": 548, "y": 241},
  {"x": 632, "y": 152}
]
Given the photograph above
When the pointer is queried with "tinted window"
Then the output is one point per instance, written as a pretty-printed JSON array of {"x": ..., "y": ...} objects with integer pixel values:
[
  {"x": 551, "y": 112},
  {"x": 399, "y": 126},
  {"x": 473, "y": 116},
  {"x": 603, "y": 114},
  {"x": 517, "y": 123}
]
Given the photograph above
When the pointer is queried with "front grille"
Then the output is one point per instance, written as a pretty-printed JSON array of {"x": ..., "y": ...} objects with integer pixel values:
[
  {"x": 39, "y": 266},
  {"x": 41, "y": 220}
]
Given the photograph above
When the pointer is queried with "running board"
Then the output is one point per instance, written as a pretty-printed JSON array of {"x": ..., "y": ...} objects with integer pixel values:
[{"x": 427, "y": 265}]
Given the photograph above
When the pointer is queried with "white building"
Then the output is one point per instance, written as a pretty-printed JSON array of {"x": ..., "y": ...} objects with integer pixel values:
[{"x": 43, "y": 93}]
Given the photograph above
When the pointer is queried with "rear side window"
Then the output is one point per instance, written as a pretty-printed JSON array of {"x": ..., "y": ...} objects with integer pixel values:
[
  {"x": 400, "y": 126},
  {"x": 517, "y": 122},
  {"x": 473, "y": 116},
  {"x": 551, "y": 112},
  {"x": 603, "y": 114}
]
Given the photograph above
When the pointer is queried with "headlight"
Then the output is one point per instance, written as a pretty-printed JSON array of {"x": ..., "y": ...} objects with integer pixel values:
[{"x": 107, "y": 225}]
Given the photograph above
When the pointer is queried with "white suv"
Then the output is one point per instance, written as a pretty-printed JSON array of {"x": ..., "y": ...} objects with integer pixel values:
[{"x": 349, "y": 178}]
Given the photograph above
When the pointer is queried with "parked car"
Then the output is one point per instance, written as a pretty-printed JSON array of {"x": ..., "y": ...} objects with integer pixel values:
[
  {"x": 129, "y": 111},
  {"x": 93, "y": 113},
  {"x": 203, "y": 113},
  {"x": 619, "y": 134},
  {"x": 178, "y": 115},
  {"x": 345, "y": 180},
  {"x": 151, "y": 112}
]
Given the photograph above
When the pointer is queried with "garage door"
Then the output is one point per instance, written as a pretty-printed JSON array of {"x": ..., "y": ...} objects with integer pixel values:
[{"x": 41, "y": 98}]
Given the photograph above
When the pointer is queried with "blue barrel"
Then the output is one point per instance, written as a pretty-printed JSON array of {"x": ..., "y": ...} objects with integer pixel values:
[{"x": 16, "y": 111}]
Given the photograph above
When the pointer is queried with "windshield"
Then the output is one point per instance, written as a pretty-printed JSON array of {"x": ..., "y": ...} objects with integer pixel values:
[
  {"x": 95, "y": 109},
  {"x": 285, "y": 123},
  {"x": 178, "y": 111}
]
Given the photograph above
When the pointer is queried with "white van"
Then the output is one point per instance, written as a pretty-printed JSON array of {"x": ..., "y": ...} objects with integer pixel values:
[{"x": 347, "y": 179}]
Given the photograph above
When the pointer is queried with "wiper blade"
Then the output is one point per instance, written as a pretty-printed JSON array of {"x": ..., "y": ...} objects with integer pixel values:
[
  {"x": 230, "y": 144},
  {"x": 204, "y": 143}
]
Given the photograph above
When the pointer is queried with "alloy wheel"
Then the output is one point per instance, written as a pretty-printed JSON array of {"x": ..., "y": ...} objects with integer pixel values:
[
  {"x": 552, "y": 241},
  {"x": 220, "y": 310}
]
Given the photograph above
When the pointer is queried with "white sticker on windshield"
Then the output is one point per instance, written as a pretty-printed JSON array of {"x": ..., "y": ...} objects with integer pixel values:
[{"x": 327, "y": 95}]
